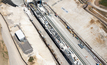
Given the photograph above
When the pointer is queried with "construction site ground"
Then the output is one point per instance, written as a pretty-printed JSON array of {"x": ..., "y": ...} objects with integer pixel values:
[
  {"x": 86, "y": 25},
  {"x": 51, "y": 45},
  {"x": 16, "y": 15}
]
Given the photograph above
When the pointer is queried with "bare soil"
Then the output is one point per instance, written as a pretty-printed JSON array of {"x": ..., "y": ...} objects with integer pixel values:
[
  {"x": 3, "y": 52},
  {"x": 98, "y": 39},
  {"x": 92, "y": 21}
]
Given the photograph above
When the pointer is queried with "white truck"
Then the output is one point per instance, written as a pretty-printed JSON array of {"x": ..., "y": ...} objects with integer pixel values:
[{"x": 20, "y": 36}]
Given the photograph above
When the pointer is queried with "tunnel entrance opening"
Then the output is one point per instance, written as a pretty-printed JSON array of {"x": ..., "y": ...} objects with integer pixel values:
[{"x": 9, "y": 2}]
